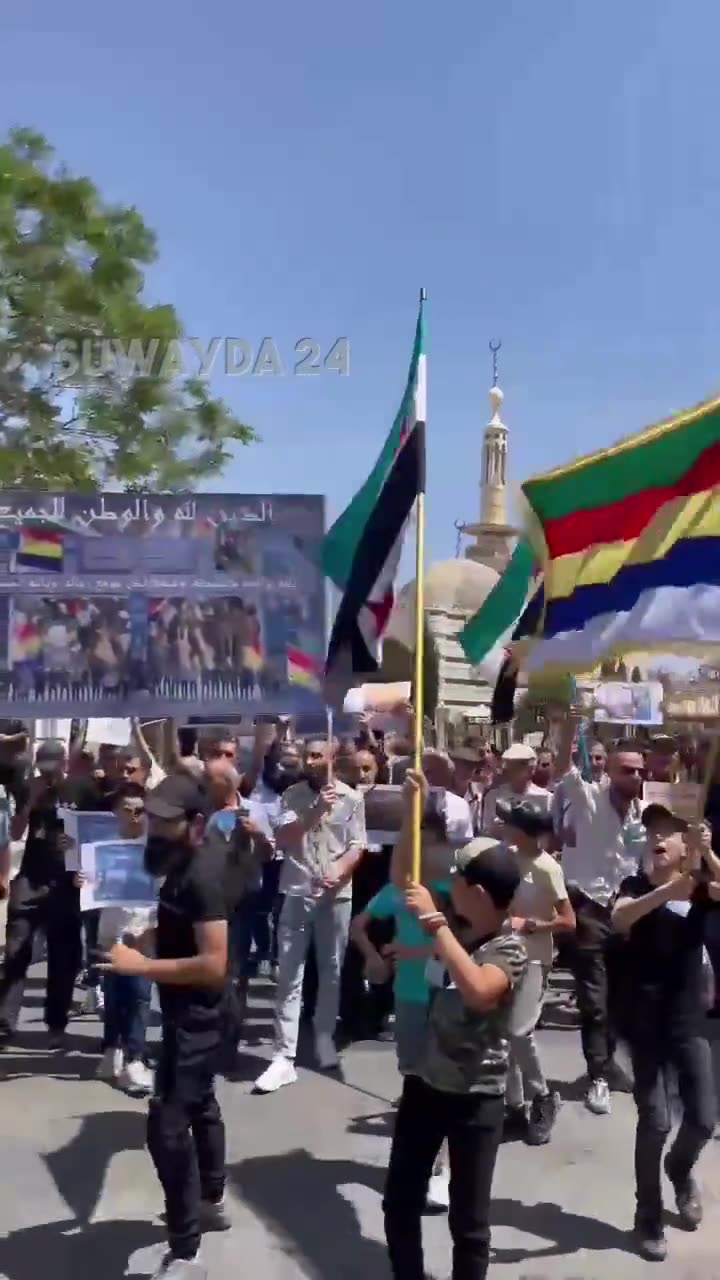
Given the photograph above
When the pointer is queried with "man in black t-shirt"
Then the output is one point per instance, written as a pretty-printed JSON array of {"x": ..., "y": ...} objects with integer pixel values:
[
  {"x": 43, "y": 895},
  {"x": 186, "y": 1135},
  {"x": 661, "y": 911},
  {"x": 14, "y": 765}
]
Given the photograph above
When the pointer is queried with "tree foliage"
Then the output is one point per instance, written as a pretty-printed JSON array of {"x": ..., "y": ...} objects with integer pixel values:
[{"x": 77, "y": 409}]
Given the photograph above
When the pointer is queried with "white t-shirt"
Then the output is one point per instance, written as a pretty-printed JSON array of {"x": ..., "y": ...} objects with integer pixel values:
[{"x": 539, "y": 891}]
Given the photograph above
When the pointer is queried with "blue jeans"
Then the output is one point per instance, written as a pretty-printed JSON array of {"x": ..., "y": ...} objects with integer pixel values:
[
  {"x": 127, "y": 1014},
  {"x": 256, "y": 921}
]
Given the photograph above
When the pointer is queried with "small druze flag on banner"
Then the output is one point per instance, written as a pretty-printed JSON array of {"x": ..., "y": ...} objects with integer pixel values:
[{"x": 361, "y": 553}]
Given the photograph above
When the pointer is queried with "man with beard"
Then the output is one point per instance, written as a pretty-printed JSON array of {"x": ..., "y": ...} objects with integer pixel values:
[
  {"x": 186, "y": 1134},
  {"x": 609, "y": 841},
  {"x": 281, "y": 767},
  {"x": 322, "y": 831}
]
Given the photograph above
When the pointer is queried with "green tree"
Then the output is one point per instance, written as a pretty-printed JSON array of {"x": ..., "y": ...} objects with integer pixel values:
[{"x": 91, "y": 390}]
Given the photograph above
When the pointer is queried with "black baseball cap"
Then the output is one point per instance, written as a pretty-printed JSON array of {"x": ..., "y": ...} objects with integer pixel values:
[
  {"x": 177, "y": 796},
  {"x": 654, "y": 813},
  {"x": 525, "y": 817},
  {"x": 493, "y": 866},
  {"x": 50, "y": 753}
]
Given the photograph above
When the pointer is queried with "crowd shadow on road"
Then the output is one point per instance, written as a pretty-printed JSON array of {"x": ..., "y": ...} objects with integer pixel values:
[
  {"x": 72, "y": 1251},
  {"x": 297, "y": 1196},
  {"x": 378, "y": 1125},
  {"x": 28, "y": 1056},
  {"x": 79, "y": 1168},
  {"x": 567, "y": 1232},
  {"x": 77, "y": 1247}
]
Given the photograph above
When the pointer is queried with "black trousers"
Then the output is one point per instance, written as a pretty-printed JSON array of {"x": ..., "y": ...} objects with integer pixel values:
[
  {"x": 593, "y": 957},
  {"x": 365, "y": 1012},
  {"x": 472, "y": 1124},
  {"x": 186, "y": 1137},
  {"x": 55, "y": 910},
  {"x": 654, "y": 1066}
]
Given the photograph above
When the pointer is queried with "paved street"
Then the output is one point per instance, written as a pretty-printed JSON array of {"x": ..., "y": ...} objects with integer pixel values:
[{"x": 78, "y": 1197}]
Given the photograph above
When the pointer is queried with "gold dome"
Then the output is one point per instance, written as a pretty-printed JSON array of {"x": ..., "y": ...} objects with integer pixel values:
[{"x": 453, "y": 586}]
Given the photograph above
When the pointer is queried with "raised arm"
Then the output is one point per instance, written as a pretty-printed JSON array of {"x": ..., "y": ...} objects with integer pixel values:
[
  {"x": 292, "y": 826},
  {"x": 627, "y": 911}
]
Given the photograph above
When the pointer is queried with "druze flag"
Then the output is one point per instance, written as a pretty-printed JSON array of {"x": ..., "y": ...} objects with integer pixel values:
[{"x": 362, "y": 550}]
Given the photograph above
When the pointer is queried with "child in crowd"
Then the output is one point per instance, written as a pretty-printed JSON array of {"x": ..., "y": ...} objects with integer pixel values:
[
  {"x": 127, "y": 999},
  {"x": 540, "y": 909},
  {"x": 662, "y": 912},
  {"x": 407, "y": 958},
  {"x": 457, "y": 1090}
]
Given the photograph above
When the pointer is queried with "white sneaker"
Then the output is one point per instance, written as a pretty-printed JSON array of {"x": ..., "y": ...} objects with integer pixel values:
[
  {"x": 325, "y": 1051},
  {"x": 280, "y": 1072},
  {"x": 597, "y": 1098},
  {"x": 172, "y": 1268},
  {"x": 438, "y": 1192},
  {"x": 136, "y": 1079},
  {"x": 110, "y": 1065}
]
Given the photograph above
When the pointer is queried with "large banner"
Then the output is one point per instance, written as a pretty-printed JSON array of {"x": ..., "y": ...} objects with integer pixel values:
[{"x": 116, "y": 604}]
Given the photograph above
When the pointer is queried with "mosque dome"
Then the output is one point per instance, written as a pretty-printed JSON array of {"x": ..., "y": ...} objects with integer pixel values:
[{"x": 452, "y": 586}]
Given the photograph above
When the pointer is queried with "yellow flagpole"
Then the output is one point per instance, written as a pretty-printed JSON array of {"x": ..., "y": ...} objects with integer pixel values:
[
  {"x": 418, "y": 681},
  {"x": 418, "y": 688}
]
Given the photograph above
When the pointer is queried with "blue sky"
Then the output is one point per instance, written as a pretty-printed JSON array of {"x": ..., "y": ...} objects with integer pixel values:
[{"x": 548, "y": 171}]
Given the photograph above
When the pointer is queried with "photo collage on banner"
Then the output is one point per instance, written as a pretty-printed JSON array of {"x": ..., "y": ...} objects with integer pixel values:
[{"x": 160, "y": 605}]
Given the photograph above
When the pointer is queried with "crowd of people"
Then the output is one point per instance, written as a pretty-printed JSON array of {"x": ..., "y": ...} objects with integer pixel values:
[
  {"x": 268, "y": 869},
  {"x": 92, "y": 647}
]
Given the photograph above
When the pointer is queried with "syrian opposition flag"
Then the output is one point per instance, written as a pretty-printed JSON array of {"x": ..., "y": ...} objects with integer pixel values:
[
  {"x": 361, "y": 553},
  {"x": 485, "y": 638}
]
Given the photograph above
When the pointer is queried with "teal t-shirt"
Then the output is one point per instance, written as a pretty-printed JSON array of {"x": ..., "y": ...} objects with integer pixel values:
[{"x": 410, "y": 984}]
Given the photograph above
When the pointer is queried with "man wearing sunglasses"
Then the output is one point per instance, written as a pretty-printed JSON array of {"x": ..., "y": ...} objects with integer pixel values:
[{"x": 609, "y": 842}]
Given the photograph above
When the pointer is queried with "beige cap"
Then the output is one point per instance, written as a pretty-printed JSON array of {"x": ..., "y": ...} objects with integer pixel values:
[{"x": 519, "y": 752}]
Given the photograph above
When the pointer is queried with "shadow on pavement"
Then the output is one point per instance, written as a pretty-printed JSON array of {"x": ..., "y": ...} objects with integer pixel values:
[
  {"x": 79, "y": 1168},
  {"x": 567, "y": 1232},
  {"x": 379, "y": 1125},
  {"x": 27, "y": 1056},
  {"x": 570, "y": 1090},
  {"x": 67, "y": 1252},
  {"x": 297, "y": 1195}
]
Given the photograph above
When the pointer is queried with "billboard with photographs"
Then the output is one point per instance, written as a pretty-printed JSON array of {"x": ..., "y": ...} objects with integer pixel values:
[{"x": 160, "y": 605}]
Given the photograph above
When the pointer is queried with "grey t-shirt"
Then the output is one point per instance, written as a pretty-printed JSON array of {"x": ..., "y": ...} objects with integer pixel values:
[{"x": 466, "y": 1051}]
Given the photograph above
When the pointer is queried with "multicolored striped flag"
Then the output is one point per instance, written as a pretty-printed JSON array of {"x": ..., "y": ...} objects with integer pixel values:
[
  {"x": 632, "y": 547},
  {"x": 303, "y": 669},
  {"x": 40, "y": 549}
]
